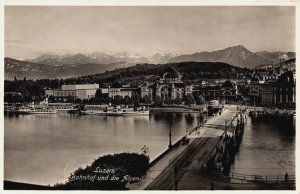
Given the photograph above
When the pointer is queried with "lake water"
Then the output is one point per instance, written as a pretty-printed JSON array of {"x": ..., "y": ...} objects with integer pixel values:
[
  {"x": 267, "y": 148},
  {"x": 45, "y": 149}
]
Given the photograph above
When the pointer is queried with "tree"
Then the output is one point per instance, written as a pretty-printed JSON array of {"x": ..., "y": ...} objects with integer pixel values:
[
  {"x": 136, "y": 99},
  {"x": 127, "y": 100},
  {"x": 168, "y": 100},
  {"x": 84, "y": 101},
  {"x": 28, "y": 98},
  {"x": 189, "y": 99},
  {"x": 147, "y": 99},
  {"x": 178, "y": 101},
  {"x": 36, "y": 90},
  {"x": 117, "y": 100},
  {"x": 200, "y": 99},
  {"x": 98, "y": 94},
  {"x": 123, "y": 165},
  {"x": 107, "y": 99},
  {"x": 21, "y": 88},
  {"x": 77, "y": 100},
  {"x": 9, "y": 98},
  {"x": 70, "y": 99},
  {"x": 38, "y": 99},
  {"x": 158, "y": 101},
  {"x": 51, "y": 99},
  {"x": 94, "y": 100}
]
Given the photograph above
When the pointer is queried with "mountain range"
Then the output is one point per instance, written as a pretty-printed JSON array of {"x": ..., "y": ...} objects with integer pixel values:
[
  {"x": 64, "y": 66},
  {"x": 30, "y": 70},
  {"x": 237, "y": 55},
  {"x": 101, "y": 58}
]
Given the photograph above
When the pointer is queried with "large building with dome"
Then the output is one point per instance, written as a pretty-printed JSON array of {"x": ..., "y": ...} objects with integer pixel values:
[{"x": 169, "y": 86}]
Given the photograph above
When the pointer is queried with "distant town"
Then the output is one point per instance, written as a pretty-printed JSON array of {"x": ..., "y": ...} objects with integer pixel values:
[{"x": 268, "y": 86}]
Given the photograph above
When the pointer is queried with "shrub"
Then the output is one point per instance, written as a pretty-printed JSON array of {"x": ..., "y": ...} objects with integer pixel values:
[{"x": 123, "y": 164}]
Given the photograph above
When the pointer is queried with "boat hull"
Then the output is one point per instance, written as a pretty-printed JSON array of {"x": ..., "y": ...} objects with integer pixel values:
[{"x": 134, "y": 113}]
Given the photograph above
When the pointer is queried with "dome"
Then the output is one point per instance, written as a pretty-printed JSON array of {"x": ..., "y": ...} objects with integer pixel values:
[
  {"x": 228, "y": 84},
  {"x": 172, "y": 73}
]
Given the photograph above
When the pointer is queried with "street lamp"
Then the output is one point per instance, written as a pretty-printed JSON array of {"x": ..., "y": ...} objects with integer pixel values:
[
  {"x": 170, "y": 137},
  {"x": 199, "y": 117},
  {"x": 206, "y": 112},
  {"x": 170, "y": 132}
]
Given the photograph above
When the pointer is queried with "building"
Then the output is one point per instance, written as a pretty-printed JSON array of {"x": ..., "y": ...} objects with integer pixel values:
[
  {"x": 171, "y": 86},
  {"x": 209, "y": 92},
  {"x": 255, "y": 90},
  {"x": 147, "y": 90},
  {"x": 227, "y": 90},
  {"x": 122, "y": 92},
  {"x": 117, "y": 89},
  {"x": 279, "y": 91},
  {"x": 81, "y": 91}
]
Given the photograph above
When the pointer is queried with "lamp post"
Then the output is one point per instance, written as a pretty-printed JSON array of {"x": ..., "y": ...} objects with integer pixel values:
[
  {"x": 170, "y": 137},
  {"x": 199, "y": 117},
  {"x": 206, "y": 112},
  {"x": 254, "y": 103},
  {"x": 170, "y": 132}
]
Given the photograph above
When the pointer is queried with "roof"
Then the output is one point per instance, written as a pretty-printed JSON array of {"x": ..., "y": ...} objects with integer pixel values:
[{"x": 116, "y": 85}]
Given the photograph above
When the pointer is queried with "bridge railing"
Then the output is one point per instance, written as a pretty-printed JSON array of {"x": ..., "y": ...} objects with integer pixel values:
[
  {"x": 263, "y": 179},
  {"x": 213, "y": 151}
]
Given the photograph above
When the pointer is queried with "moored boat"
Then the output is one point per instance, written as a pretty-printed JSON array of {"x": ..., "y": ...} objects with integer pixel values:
[
  {"x": 115, "y": 112},
  {"x": 42, "y": 111}
]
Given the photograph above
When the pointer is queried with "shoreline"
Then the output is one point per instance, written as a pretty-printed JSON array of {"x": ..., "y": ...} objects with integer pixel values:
[{"x": 173, "y": 109}]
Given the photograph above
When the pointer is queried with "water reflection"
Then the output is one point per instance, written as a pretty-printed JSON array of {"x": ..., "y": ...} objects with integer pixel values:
[
  {"x": 37, "y": 147},
  {"x": 267, "y": 148},
  {"x": 189, "y": 119}
]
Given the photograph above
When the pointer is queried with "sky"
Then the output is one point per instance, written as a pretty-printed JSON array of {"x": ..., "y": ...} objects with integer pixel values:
[{"x": 34, "y": 30}]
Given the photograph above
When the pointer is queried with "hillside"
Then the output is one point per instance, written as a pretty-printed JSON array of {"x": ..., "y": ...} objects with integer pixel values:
[
  {"x": 288, "y": 64},
  {"x": 30, "y": 70},
  {"x": 237, "y": 55},
  {"x": 275, "y": 57},
  {"x": 151, "y": 72}
]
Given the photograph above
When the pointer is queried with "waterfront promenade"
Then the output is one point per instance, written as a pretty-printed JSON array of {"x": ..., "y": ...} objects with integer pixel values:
[{"x": 202, "y": 141}]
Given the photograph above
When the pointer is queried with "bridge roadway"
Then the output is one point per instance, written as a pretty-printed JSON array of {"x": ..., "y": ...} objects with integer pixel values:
[
  {"x": 194, "y": 156},
  {"x": 202, "y": 141}
]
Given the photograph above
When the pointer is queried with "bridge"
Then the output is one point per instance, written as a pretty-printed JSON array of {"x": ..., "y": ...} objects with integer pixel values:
[{"x": 182, "y": 168}]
